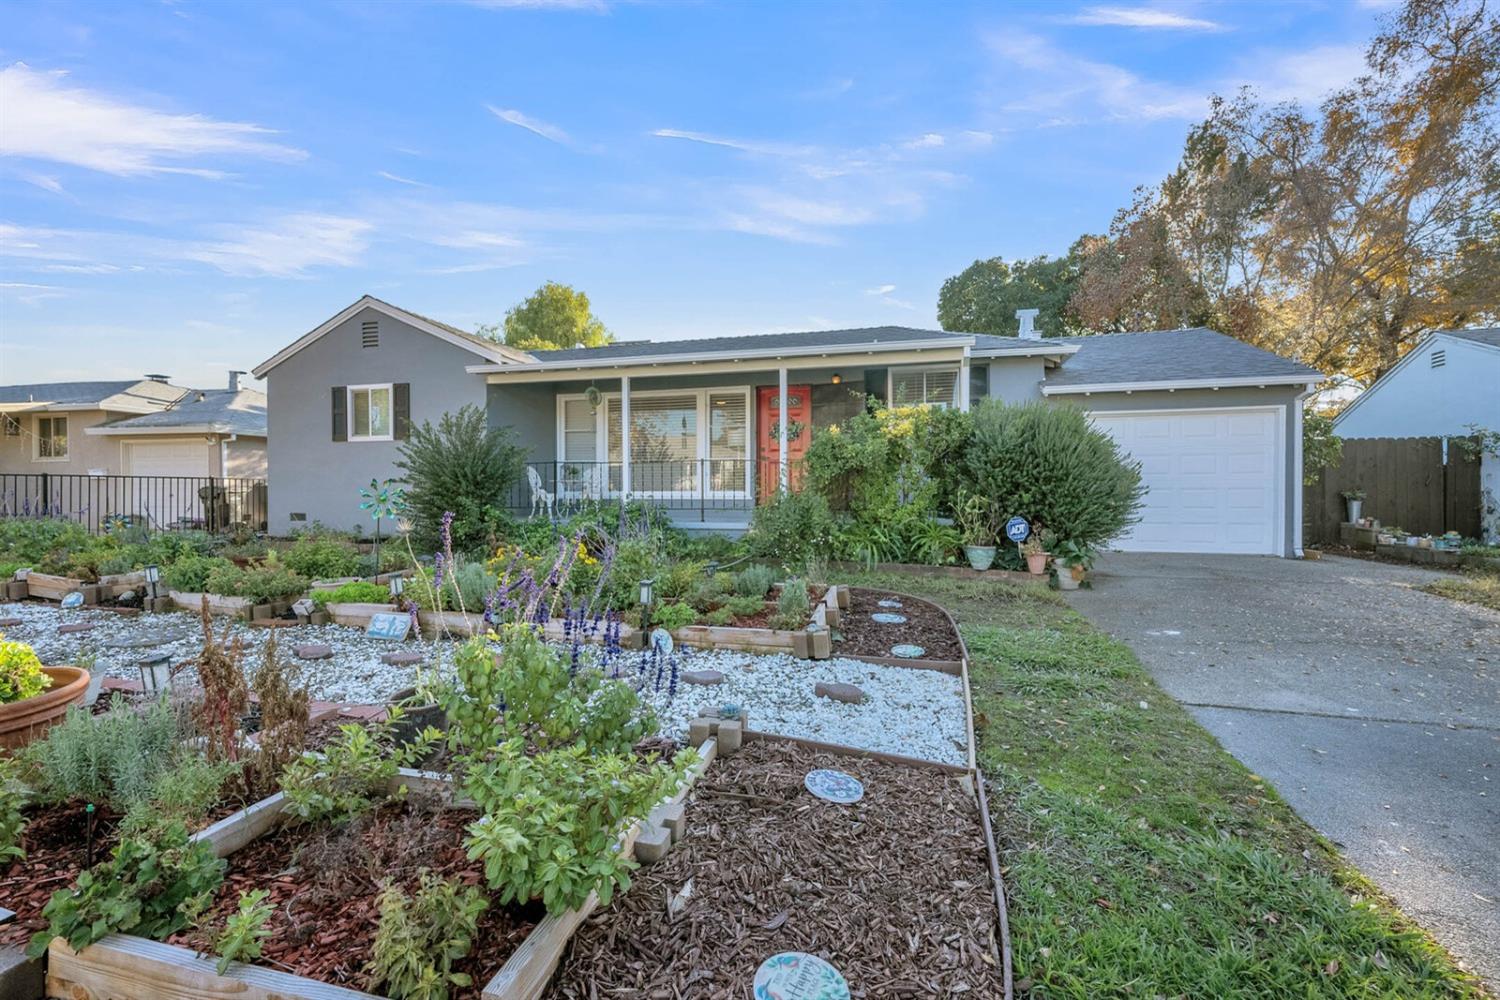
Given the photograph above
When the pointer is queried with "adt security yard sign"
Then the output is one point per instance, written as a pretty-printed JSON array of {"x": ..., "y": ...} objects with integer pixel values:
[
  {"x": 389, "y": 626},
  {"x": 1017, "y": 530}
]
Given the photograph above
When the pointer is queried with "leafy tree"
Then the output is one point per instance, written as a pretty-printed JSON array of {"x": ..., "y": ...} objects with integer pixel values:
[
  {"x": 1321, "y": 447},
  {"x": 462, "y": 465},
  {"x": 984, "y": 297},
  {"x": 554, "y": 317}
]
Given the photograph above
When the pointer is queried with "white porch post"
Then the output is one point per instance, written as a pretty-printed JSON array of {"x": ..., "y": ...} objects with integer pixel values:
[
  {"x": 624, "y": 437},
  {"x": 781, "y": 433},
  {"x": 963, "y": 382}
]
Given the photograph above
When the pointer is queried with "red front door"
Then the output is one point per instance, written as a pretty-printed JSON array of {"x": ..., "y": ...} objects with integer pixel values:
[{"x": 798, "y": 434}]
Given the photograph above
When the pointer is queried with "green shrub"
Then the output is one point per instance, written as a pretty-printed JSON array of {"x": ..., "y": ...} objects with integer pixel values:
[
  {"x": 30, "y": 541},
  {"x": 636, "y": 559},
  {"x": 674, "y": 616},
  {"x": 190, "y": 573},
  {"x": 152, "y": 887},
  {"x": 460, "y": 466},
  {"x": 184, "y": 790},
  {"x": 742, "y": 607},
  {"x": 357, "y": 592},
  {"x": 465, "y": 588},
  {"x": 754, "y": 581},
  {"x": 321, "y": 558},
  {"x": 21, "y": 674},
  {"x": 420, "y": 937},
  {"x": 1049, "y": 464},
  {"x": 263, "y": 584},
  {"x": 792, "y": 529},
  {"x": 793, "y": 606},
  {"x": 353, "y": 773},
  {"x": 114, "y": 757},
  {"x": 719, "y": 616}
]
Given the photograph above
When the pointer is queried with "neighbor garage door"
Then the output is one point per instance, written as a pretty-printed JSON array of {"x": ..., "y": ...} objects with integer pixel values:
[
  {"x": 1214, "y": 479},
  {"x": 171, "y": 458}
]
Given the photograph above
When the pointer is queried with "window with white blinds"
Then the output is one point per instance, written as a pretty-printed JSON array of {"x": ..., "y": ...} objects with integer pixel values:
[
  {"x": 728, "y": 440},
  {"x": 580, "y": 431},
  {"x": 663, "y": 442},
  {"x": 924, "y": 386}
]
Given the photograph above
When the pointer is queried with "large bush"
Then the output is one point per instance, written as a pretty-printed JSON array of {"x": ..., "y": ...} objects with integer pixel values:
[
  {"x": 1049, "y": 464},
  {"x": 792, "y": 529},
  {"x": 461, "y": 465}
]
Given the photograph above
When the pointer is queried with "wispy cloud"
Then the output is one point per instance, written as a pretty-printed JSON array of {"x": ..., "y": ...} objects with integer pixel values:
[
  {"x": 547, "y": 131},
  {"x": 44, "y": 181},
  {"x": 880, "y": 290},
  {"x": 45, "y": 119},
  {"x": 755, "y": 146},
  {"x": 597, "y": 6},
  {"x": 288, "y": 247},
  {"x": 928, "y": 141},
  {"x": 398, "y": 179},
  {"x": 30, "y": 294},
  {"x": 883, "y": 293},
  {"x": 1143, "y": 17}
]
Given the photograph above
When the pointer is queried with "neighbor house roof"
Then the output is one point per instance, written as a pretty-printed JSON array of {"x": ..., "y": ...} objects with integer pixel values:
[
  {"x": 1170, "y": 359},
  {"x": 482, "y": 346},
  {"x": 208, "y": 411},
  {"x": 129, "y": 396},
  {"x": 1489, "y": 336}
]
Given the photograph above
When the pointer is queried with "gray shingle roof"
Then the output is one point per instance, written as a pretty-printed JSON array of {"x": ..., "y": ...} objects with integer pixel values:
[
  {"x": 220, "y": 410},
  {"x": 63, "y": 393},
  {"x": 1481, "y": 335},
  {"x": 1168, "y": 356},
  {"x": 774, "y": 341}
]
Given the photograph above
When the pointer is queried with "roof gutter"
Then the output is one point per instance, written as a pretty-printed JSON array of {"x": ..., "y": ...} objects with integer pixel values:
[
  {"x": 1061, "y": 350},
  {"x": 1172, "y": 385},
  {"x": 654, "y": 360}
]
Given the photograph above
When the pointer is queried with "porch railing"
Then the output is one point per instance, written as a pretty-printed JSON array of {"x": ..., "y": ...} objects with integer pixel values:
[
  {"x": 160, "y": 503},
  {"x": 711, "y": 488}
]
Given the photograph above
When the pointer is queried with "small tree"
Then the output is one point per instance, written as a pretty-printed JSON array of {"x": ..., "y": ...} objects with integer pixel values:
[
  {"x": 1321, "y": 447},
  {"x": 1050, "y": 465},
  {"x": 555, "y": 316},
  {"x": 461, "y": 465}
]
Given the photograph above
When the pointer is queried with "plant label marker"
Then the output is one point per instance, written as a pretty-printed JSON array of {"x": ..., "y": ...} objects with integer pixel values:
[
  {"x": 389, "y": 626},
  {"x": 1017, "y": 530},
  {"x": 796, "y": 975},
  {"x": 888, "y": 618},
  {"x": 907, "y": 650},
  {"x": 834, "y": 786}
]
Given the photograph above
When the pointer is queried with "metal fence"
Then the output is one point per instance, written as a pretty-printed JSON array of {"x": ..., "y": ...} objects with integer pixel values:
[
  {"x": 207, "y": 503},
  {"x": 711, "y": 488},
  {"x": 1425, "y": 485}
]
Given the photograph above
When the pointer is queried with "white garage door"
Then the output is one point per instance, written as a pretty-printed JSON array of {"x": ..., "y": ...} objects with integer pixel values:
[
  {"x": 171, "y": 458},
  {"x": 1214, "y": 479}
]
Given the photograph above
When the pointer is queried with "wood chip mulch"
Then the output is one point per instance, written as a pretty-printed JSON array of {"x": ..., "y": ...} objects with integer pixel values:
[
  {"x": 56, "y": 845},
  {"x": 926, "y": 625},
  {"x": 325, "y": 885},
  {"x": 893, "y": 890}
]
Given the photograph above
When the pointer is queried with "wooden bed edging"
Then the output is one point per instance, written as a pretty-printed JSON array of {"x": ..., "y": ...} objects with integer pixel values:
[
  {"x": 954, "y": 572},
  {"x": 953, "y": 668},
  {"x": 125, "y": 967}
]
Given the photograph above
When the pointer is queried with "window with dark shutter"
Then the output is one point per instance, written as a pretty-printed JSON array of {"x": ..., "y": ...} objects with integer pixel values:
[
  {"x": 340, "y": 413},
  {"x": 401, "y": 407},
  {"x": 369, "y": 333}
]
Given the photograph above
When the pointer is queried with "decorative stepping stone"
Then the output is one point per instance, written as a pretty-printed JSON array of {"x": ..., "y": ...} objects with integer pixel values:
[
  {"x": 75, "y": 627},
  {"x": 834, "y": 786},
  {"x": 11, "y": 622},
  {"x": 887, "y": 618},
  {"x": 888, "y": 603},
  {"x": 846, "y": 693},
  {"x": 401, "y": 659},
  {"x": 908, "y": 651},
  {"x": 703, "y": 677},
  {"x": 313, "y": 651},
  {"x": 72, "y": 600},
  {"x": 796, "y": 975}
]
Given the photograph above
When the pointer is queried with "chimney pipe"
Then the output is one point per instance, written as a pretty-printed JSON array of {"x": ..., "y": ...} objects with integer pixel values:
[
  {"x": 163, "y": 379},
  {"x": 234, "y": 380},
  {"x": 1027, "y": 317}
]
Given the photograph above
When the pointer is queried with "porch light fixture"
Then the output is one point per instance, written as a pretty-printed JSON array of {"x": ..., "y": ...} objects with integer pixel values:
[
  {"x": 837, "y": 378},
  {"x": 153, "y": 577},
  {"x": 156, "y": 674}
]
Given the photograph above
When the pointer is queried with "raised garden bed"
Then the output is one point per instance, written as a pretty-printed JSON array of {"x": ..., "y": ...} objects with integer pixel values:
[
  {"x": 218, "y": 604},
  {"x": 895, "y": 890},
  {"x": 54, "y": 588}
]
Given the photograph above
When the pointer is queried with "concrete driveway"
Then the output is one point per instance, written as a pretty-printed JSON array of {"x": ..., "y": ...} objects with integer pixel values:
[{"x": 1374, "y": 709}]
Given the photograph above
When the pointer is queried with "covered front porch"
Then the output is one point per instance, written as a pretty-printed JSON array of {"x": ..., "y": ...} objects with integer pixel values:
[{"x": 708, "y": 439}]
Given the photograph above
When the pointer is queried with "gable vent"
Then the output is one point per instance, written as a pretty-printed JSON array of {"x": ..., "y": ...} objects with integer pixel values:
[
  {"x": 369, "y": 333},
  {"x": 1439, "y": 358}
]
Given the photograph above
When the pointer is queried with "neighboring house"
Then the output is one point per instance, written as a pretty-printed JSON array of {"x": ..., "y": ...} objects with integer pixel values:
[
  {"x": 64, "y": 443},
  {"x": 1446, "y": 386},
  {"x": 717, "y": 424}
]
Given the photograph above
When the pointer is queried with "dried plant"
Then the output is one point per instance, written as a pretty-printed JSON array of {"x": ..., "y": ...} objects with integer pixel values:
[
  {"x": 225, "y": 693},
  {"x": 283, "y": 714}
]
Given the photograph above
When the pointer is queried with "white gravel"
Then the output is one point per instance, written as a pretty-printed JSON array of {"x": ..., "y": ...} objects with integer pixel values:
[{"x": 917, "y": 713}]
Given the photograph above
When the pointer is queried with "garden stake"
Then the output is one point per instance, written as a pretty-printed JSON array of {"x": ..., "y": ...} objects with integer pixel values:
[{"x": 88, "y": 812}]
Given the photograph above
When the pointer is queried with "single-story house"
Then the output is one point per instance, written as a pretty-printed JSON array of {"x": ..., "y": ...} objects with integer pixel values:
[
  {"x": 1446, "y": 386},
  {"x": 716, "y": 424},
  {"x": 140, "y": 447}
]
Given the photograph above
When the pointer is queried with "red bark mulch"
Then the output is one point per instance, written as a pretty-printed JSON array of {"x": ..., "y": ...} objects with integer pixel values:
[
  {"x": 56, "y": 845},
  {"x": 926, "y": 625}
]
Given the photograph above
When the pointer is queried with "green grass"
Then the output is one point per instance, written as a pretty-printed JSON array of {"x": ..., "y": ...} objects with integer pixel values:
[
  {"x": 1142, "y": 860},
  {"x": 1481, "y": 588}
]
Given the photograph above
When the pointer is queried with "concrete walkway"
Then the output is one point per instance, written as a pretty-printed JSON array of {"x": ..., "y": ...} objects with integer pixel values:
[{"x": 1374, "y": 709}]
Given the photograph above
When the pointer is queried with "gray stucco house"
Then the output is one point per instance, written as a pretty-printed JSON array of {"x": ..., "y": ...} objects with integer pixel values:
[{"x": 717, "y": 424}]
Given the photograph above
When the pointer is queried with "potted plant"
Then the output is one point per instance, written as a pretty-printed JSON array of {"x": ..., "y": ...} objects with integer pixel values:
[
  {"x": 1354, "y": 500},
  {"x": 1035, "y": 551},
  {"x": 975, "y": 517},
  {"x": 1073, "y": 560},
  {"x": 33, "y": 698}
]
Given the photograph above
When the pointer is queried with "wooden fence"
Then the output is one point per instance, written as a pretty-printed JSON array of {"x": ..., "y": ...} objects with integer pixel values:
[{"x": 1426, "y": 485}]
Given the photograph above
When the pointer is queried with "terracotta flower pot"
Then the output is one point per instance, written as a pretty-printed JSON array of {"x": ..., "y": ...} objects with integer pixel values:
[
  {"x": 30, "y": 718},
  {"x": 1036, "y": 563}
]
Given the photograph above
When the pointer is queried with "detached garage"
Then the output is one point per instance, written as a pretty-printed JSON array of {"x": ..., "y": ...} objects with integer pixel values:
[
  {"x": 1216, "y": 427},
  {"x": 187, "y": 457}
]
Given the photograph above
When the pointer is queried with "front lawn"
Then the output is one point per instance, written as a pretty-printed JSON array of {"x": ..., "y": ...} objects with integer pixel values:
[
  {"x": 1481, "y": 588},
  {"x": 1141, "y": 858}
]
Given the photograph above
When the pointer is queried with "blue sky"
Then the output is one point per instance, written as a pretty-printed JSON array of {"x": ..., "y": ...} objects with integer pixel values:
[{"x": 186, "y": 187}]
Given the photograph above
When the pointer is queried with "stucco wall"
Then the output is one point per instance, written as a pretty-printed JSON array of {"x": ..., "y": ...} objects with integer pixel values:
[
  {"x": 245, "y": 458},
  {"x": 1016, "y": 380},
  {"x": 1188, "y": 399},
  {"x": 85, "y": 451},
  {"x": 1418, "y": 400},
  {"x": 309, "y": 472}
]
